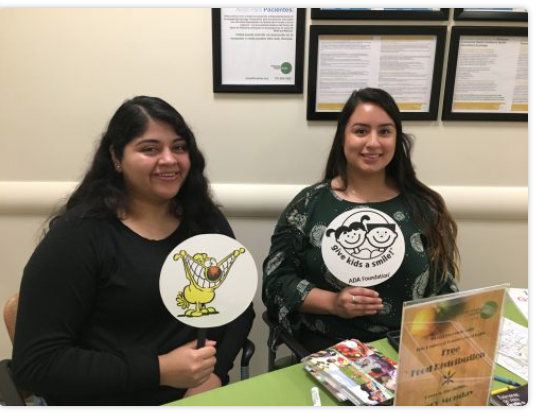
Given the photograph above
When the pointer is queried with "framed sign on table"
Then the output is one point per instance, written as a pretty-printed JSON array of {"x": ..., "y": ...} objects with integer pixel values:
[
  {"x": 448, "y": 348},
  {"x": 406, "y": 61},
  {"x": 381, "y": 14},
  {"x": 487, "y": 74},
  {"x": 509, "y": 14},
  {"x": 258, "y": 49}
]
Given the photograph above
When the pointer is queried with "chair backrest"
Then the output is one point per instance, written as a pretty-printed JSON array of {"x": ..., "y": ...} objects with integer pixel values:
[
  {"x": 10, "y": 314},
  {"x": 277, "y": 336},
  {"x": 9, "y": 392}
]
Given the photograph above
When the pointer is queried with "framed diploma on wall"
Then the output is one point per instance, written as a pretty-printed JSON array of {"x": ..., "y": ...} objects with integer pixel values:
[
  {"x": 508, "y": 14},
  {"x": 406, "y": 61},
  {"x": 381, "y": 14},
  {"x": 258, "y": 49},
  {"x": 487, "y": 74}
]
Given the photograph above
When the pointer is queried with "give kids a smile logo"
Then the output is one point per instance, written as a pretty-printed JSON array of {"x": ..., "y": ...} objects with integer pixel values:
[{"x": 363, "y": 247}]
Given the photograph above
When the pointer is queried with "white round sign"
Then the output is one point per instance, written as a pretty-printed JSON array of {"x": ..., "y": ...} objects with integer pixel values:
[
  {"x": 208, "y": 280},
  {"x": 363, "y": 247}
]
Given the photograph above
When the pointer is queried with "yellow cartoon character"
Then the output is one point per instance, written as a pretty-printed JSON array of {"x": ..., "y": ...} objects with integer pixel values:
[{"x": 205, "y": 275}]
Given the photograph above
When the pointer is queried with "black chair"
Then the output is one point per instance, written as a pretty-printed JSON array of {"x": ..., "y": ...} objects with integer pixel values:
[
  {"x": 247, "y": 352},
  {"x": 276, "y": 337},
  {"x": 9, "y": 393}
]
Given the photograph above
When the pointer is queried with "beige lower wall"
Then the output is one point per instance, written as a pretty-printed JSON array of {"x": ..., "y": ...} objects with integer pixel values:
[{"x": 493, "y": 234}]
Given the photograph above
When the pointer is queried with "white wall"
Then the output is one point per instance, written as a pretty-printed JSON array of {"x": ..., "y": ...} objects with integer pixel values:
[{"x": 63, "y": 72}]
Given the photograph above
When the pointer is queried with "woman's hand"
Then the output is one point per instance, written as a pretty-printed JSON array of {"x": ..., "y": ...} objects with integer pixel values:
[
  {"x": 350, "y": 302},
  {"x": 187, "y": 366},
  {"x": 357, "y": 301},
  {"x": 213, "y": 382}
]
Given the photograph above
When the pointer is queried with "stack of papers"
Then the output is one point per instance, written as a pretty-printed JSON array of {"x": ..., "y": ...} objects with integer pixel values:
[
  {"x": 354, "y": 371},
  {"x": 513, "y": 352}
]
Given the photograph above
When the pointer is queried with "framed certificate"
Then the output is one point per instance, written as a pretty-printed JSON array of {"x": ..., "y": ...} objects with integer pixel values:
[
  {"x": 381, "y": 14},
  {"x": 406, "y": 61},
  {"x": 487, "y": 75},
  {"x": 509, "y": 14},
  {"x": 258, "y": 49}
]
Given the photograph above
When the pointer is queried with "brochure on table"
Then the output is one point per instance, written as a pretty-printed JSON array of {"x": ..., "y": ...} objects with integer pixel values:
[
  {"x": 355, "y": 371},
  {"x": 449, "y": 347}
]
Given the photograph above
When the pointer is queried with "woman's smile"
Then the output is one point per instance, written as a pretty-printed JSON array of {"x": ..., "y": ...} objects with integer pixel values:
[{"x": 167, "y": 176}]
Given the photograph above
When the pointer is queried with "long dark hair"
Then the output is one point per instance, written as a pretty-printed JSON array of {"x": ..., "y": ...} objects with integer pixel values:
[
  {"x": 438, "y": 226},
  {"x": 102, "y": 192}
]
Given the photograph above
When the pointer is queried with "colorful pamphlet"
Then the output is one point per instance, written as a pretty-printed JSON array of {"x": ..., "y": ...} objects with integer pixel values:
[
  {"x": 354, "y": 371},
  {"x": 512, "y": 397}
]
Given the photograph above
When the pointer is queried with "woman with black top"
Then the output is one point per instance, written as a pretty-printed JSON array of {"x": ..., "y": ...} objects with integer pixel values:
[{"x": 91, "y": 326}]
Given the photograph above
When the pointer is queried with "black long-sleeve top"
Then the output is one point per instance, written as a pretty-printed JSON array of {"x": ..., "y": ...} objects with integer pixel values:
[{"x": 91, "y": 323}]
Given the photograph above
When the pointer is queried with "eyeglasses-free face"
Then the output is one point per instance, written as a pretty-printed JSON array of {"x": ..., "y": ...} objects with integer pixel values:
[
  {"x": 155, "y": 164},
  {"x": 370, "y": 140}
]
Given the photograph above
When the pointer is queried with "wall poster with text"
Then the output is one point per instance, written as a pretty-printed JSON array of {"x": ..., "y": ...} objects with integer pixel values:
[
  {"x": 381, "y": 13},
  {"x": 406, "y": 61},
  {"x": 258, "y": 49},
  {"x": 488, "y": 74}
]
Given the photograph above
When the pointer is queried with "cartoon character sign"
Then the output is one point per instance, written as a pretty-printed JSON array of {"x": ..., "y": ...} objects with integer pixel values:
[
  {"x": 205, "y": 275},
  {"x": 203, "y": 292},
  {"x": 363, "y": 247}
]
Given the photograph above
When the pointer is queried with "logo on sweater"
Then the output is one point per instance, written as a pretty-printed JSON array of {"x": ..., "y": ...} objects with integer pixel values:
[{"x": 363, "y": 247}]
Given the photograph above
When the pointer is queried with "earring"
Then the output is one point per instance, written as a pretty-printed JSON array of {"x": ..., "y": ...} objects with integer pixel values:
[{"x": 117, "y": 165}]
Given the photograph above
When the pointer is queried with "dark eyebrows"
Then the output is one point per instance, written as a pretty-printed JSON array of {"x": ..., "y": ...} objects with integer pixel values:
[
  {"x": 150, "y": 141},
  {"x": 146, "y": 141},
  {"x": 366, "y": 125}
]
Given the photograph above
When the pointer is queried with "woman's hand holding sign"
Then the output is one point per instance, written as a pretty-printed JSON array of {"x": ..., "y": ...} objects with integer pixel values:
[
  {"x": 187, "y": 366},
  {"x": 350, "y": 302},
  {"x": 357, "y": 301},
  {"x": 206, "y": 281}
]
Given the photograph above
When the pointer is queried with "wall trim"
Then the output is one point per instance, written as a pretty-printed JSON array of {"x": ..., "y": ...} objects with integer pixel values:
[{"x": 268, "y": 200}]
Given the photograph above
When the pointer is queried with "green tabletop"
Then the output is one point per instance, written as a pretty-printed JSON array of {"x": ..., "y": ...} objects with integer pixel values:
[{"x": 292, "y": 386}]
